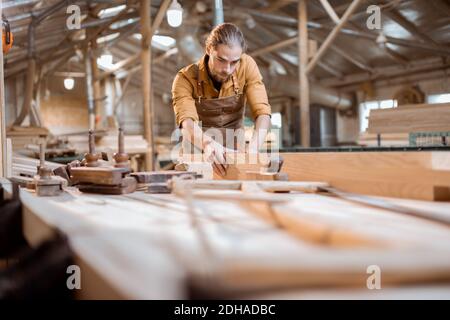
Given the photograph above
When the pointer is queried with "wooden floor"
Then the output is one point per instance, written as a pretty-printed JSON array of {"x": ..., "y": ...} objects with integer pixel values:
[{"x": 146, "y": 246}]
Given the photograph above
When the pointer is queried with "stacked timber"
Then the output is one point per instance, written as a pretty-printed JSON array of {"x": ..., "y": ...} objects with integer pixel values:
[
  {"x": 25, "y": 166},
  {"x": 386, "y": 140},
  {"x": 22, "y": 136},
  {"x": 410, "y": 118},
  {"x": 418, "y": 175},
  {"x": 133, "y": 143}
]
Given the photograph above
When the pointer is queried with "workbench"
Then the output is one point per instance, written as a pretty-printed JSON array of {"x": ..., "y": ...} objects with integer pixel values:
[{"x": 151, "y": 246}]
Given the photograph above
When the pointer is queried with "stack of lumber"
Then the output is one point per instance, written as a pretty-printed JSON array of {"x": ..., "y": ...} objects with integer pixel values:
[
  {"x": 410, "y": 118},
  {"x": 25, "y": 166},
  {"x": 421, "y": 175},
  {"x": 386, "y": 140},
  {"x": 133, "y": 143},
  {"x": 22, "y": 136}
]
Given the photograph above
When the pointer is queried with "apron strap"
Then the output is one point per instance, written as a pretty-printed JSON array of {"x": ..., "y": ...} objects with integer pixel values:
[
  {"x": 235, "y": 83},
  {"x": 200, "y": 92}
]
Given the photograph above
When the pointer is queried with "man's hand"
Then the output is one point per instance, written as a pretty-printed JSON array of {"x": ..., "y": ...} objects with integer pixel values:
[{"x": 216, "y": 154}]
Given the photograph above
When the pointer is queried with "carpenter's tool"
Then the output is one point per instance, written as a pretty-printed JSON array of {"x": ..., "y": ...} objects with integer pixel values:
[
  {"x": 121, "y": 157},
  {"x": 45, "y": 182},
  {"x": 158, "y": 181},
  {"x": 94, "y": 178},
  {"x": 92, "y": 157}
]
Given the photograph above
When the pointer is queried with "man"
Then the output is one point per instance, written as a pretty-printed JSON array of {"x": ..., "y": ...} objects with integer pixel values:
[{"x": 213, "y": 92}]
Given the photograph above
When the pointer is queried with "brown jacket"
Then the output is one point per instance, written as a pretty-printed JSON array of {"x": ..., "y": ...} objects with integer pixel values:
[{"x": 184, "y": 89}]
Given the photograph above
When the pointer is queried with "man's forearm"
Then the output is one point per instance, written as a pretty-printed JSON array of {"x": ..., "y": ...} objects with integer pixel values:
[
  {"x": 194, "y": 134},
  {"x": 262, "y": 125}
]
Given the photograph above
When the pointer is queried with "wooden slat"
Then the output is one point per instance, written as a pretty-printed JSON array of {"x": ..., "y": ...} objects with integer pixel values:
[
  {"x": 408, "y": 119},
  {"x": 414, "y": 175}
]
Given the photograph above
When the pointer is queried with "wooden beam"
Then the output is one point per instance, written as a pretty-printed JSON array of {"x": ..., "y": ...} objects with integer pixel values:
[
  {"x": 277, "y": 5},
  {"x": 329, "y": 40},
  {"x": 329, "y": 9},
  {"x": 411, "y": 118},
  {"x": 411, "y": 27},
  {"x": 160, "y": 15},
  {"x": 419, "y": 175},
  {"x": 390, "y": 72},
  {"x": 302, "y": 71},
  {"x": 349, "y": 57},
  {"x": 274, "y": 46},
  {"x": 132, "y": 59},
  {"x": 330, "y": 69},
  {"x": 119, "y": 65},
  {"x": 147, "y": 81}
]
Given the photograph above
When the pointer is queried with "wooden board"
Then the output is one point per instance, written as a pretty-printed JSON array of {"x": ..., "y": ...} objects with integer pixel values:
[
  {"x": 147, "y": 246},
  {"x": 387, "y": 139},
  {"x": 410, "y": 119},
  {"x": 419, "y": 175},
  {"x": 98, "y": 175}
]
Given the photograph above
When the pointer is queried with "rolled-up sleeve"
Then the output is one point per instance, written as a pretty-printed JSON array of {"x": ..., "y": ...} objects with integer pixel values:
[
  {"x": 182, "y": 99},
  {"x": 255, "y": 90}
]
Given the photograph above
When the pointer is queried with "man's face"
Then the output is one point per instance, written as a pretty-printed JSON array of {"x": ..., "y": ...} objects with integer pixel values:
[{"x": 223, "y": 60}]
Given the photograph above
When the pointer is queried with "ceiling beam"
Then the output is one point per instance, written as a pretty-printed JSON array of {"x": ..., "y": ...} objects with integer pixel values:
[
  {"x": 413, "y": 67},
  {"x": 332, "y": 36},
  {"x": 411, "y": 28}
]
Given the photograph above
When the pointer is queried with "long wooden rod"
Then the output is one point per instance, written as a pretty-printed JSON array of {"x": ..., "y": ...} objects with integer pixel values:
[
  {"x": 302, "y": 71},
  {"x": 329, "y": 40},
  {"x": 147, "y": 81}
]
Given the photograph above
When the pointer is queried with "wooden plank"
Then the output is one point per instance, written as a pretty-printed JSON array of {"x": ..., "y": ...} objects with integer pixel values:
[
  {"x": 410, "y": 119},
  {"x": 98, "y": 175},
  {"x": 146, "y": 54},
  {"x": 387, "y": 139},
  {"x": 303, "y": 73},
  {"x": 415, "y": 175},
  {"x": 113, "y": 235}
]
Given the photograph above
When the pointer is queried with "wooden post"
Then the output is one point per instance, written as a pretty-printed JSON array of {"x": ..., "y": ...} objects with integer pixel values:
[
  {"x": 302, "y": 71},
  {"x": 90, "y": 89},
  {"x": 98, "y": 104},
  {"x": 330, "y": 38},
  {"x": 146, "y": 81},
  {"x": 3, "y": 156}
]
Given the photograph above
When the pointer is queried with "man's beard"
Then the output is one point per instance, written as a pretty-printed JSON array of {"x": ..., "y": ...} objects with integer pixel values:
[{"x": 221, "y": 78}]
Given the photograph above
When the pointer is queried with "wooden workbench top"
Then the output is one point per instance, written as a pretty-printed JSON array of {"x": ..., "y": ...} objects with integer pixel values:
[{"x": 148, "y": 246}]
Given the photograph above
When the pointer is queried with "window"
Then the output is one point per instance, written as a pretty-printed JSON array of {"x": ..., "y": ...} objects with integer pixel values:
[
  {"x": 365, "y": 107},
  {"x": 438, "y": 98}
]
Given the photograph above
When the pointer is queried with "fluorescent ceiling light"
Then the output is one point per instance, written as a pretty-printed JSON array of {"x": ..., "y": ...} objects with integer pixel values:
[
  {"x": 123, "y": 23},
  {"x": 110, "y": 12},
  {"x": 163, "y": 42},
  {"x": 105, "y": 61},
  {"x": 107, "y": 38},
  {"x": 160, "y": 42}
]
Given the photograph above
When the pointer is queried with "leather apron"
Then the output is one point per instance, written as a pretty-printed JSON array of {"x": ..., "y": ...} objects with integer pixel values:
[{"x": 221, "y": 113}]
